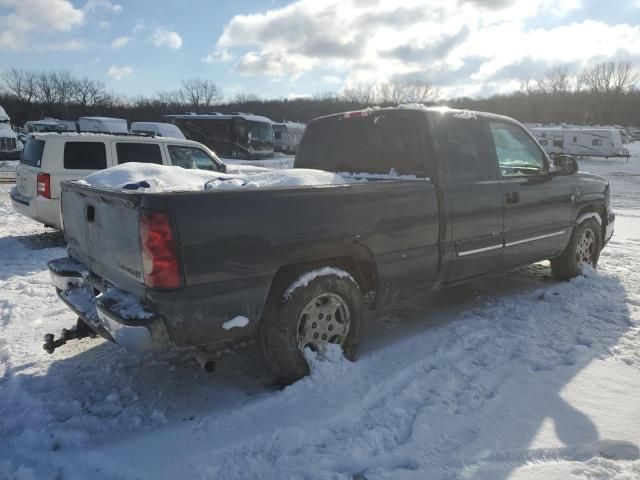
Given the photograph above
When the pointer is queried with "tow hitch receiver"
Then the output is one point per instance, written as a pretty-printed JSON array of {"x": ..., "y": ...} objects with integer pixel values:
[{"x": 80, "y": 330}]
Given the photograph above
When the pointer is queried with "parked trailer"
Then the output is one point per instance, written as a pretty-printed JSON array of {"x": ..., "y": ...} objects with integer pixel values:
[
  {"x": 582, "y": 142},
  {"x": 103, "y": 124},
  {"x": 287, "y": 136}
]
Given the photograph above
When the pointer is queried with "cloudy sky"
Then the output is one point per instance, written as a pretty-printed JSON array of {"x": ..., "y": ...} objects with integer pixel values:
[{"x": 278, "y": 48}]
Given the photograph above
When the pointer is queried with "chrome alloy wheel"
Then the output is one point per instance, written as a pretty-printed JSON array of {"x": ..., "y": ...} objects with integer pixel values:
[
  {"x": 324, "y": 320},
  {"x": 586, "y": 248}
]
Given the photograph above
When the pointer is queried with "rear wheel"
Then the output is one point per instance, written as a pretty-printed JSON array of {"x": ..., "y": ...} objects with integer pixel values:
[
  {"x": 328, "y": 310},
  {"x": 583, "y": 249}
]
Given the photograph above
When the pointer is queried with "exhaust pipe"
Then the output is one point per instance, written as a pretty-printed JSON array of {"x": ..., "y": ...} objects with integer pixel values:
[{"x": 206, "y": 361}]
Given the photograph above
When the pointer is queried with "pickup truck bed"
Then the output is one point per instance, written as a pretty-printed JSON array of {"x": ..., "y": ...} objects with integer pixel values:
[{"x": 234, "y": 242}]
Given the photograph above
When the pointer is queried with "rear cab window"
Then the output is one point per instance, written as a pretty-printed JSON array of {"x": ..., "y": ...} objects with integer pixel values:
[
  {"x": 374, "y": 143},
  {"x": 85, "y": 156},
  {"x": 32, "y": 153},
  {"x": 138, "y": 152}
]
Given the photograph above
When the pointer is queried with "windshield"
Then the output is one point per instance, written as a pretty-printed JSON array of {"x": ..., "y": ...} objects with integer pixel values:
[{"x": 261, "y": 134}]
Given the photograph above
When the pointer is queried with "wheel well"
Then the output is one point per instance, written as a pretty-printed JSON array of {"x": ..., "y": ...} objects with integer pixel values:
[
  {"x": 600, "y": 210},
  {"x": 361, "y": 269}
]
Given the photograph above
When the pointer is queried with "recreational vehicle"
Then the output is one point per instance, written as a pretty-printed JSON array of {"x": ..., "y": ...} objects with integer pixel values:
[
  {"x": 238, "y": 135},
  {"x": 582, "y": 142},
  {"x": 9, "y": 145},
  {"x": 287, "y": 136},
  {"x": 103, "y": 124},
  {"x": 158, "y": 129}
]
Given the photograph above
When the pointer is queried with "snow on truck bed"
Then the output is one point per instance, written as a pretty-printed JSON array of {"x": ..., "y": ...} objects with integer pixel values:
[
  {"x": 152, "y": 178},
  {"x": 161, "y": 178}
]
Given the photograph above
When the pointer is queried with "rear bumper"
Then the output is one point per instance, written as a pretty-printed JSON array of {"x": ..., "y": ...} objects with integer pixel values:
[
  {"x": 112, "y": 313},
  {"x": 40, "y": 209}
]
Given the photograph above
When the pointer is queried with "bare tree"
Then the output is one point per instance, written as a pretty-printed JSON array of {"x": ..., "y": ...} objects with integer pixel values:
[
  {"x": 21, "y": 84},
  {"x": 200, "y": 93},
  {"x": 362, "y": 93},
  {"x": 46, "y": 92},
  {"x": 88, "y": 93},
  {"x": 246, "y": 98},
  {"x": 607, "y": 83}
]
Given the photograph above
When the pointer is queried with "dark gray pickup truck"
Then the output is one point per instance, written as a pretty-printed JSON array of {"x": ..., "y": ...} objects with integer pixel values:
[{"x": 451, "y": 195}]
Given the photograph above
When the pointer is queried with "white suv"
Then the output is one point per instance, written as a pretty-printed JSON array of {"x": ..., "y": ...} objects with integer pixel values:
[{"x": 51, "y": 158}]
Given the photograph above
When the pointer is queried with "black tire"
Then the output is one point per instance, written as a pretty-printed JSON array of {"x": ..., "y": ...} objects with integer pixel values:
[
  {"x": 569, "y": 263},
  {"x": 278, "y": 334}
]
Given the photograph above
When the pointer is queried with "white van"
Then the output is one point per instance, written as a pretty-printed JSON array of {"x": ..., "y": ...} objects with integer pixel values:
[
  {"x": 158, "y": 129},
  {"x": 9, "y": 143},
  {"x": 102, "y": 124},
  {"x": 51, "y": 158}
]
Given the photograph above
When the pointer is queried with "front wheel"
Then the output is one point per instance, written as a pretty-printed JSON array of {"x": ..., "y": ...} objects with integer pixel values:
[
  {"x": 327, "y": 310},
  {"x": 583, "y": 249}
]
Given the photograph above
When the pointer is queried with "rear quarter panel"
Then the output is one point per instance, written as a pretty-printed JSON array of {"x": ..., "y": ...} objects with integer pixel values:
[{"x": 233, "y": 243}]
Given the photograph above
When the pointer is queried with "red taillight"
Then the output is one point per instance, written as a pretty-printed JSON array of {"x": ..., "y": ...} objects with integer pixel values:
[
  {"x": 159, "y": 252},
  {"x": 44, "y": 185}
]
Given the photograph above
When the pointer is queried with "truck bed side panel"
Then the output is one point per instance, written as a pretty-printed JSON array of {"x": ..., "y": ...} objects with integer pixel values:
[{"x": 233, "y": 243}]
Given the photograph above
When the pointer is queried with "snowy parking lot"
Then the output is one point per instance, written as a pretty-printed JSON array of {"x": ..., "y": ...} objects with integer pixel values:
[{"x": 513, "y": 376}]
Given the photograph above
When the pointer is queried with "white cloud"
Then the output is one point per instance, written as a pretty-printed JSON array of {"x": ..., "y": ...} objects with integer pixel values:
[
  {"x": 465, "y": 45},
  {"x": 162, "y": 37},
  {"x": 118, "y": 73},
  {"x": 72, "y": 45},
  {"x": 332, "y": 79},
  {"x": 104, "y": 5},
  {"x": 26, "y": 16},
  {"x": 120, "y": 42}
]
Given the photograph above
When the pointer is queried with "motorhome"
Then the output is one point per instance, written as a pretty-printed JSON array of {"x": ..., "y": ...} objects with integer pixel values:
[
  {"x": 103, "y": 124},
  {"x": 241, "y": 136},
  {"x": 10, "y": 146},
  {"x": 580, "y": 141},
  {"x": 157, "y": 128},
  {"x": 287, "y": 136}
]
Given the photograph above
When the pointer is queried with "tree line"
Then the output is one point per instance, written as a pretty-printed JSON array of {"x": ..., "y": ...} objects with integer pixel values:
[{"x": 606, "y": 93}]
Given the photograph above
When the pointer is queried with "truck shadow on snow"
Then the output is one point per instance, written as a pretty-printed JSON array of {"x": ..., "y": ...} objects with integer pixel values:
[{"x": 473, "y": 360}]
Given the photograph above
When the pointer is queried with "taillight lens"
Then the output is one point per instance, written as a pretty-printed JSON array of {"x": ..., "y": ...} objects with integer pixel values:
[
  {"x": 160, "y": 263},
  {"x": 44, "y": 185}
]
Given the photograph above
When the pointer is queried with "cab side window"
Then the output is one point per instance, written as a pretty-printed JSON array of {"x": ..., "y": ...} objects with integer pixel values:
[
  {"x": 517, "y": 153},
  {"x": 466, "y": 158},
  {"x": 138, "y": 152}
]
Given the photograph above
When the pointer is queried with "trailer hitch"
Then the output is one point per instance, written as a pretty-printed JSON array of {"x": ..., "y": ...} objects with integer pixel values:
[{"x": 80, "y": 330}]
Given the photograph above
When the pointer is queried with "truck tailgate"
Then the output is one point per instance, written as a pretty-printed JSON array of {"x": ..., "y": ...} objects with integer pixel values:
[{"x": 102, "y": 233}]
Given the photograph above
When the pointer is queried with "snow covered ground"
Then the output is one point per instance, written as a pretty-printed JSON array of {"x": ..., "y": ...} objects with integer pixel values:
[{"x": 515, "y": 376}]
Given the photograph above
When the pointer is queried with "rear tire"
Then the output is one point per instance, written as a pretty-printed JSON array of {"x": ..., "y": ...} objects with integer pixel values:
[
  {"x": 290, "y": 324},
  {"x": 583, "y": 248}
]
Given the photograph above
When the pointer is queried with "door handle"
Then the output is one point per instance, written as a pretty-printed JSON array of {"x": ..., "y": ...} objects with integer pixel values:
[{"x": 511, "y": 197}]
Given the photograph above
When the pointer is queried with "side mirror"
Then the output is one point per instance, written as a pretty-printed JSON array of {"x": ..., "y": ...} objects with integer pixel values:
[{"x": 565, "y": 165}]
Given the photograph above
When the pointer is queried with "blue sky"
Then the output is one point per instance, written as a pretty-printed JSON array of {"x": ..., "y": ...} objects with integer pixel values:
[{"x": 276, "y": 48}]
